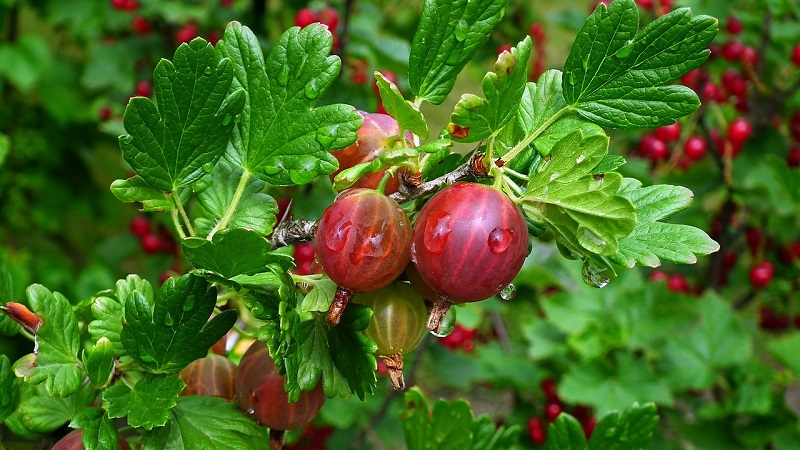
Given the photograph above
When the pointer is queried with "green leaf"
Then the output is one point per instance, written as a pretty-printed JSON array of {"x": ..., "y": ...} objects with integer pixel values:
[
  {"x": 281, "y": 137},
  {"x": 98, "y": 361},
  {"x": 9, "y": 390},
  {"x": 618, "y": 78},
  {"x": 135, "y": 189},
  {"x": 165, "y": 337},
  {"x": 487, "y": 436},
  {"x": 320, "y": 296},
  {"x": 479, "y": 118},
  {"x": 717, "y": 342},
  {"x": 41, "y": 413},
  {"x": 448, "y": 36},
  {"x": 613, "y": 384},
  {"x": 99, "y": 431},
  {"x": 609, "y": 163},
  {"x": 446, "y": 426},
  {"x": 563, "y": 184},
  {"x": 255, "y": 211},
  {"x": 56, "y": 363},
  {"x": 651, "y": 240},
  {"x": 787, "y": 350},
  {"x": 407, "y": 115},
  {"x": 775, "y": 185},
  {"x": 565, "y": 433},
  {"x": 108, "y": 313},
  {"x": 176, "y": 142},
  {"x": 231, "y": 252},
  {"x": 147, "y": 403},
  {"x": 632, "y": 429},
  {"x": 395, "y": 157},
  {"x": 198, "y": 422}
]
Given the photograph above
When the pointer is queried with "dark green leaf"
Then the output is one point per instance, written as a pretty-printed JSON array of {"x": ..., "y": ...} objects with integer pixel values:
[
  {"x": 9, "y": 390},
  {"x": 56, "y": 363},
  {"x": 503, "y": 88},
  {"x": 176, "y": 142},
  {"x": 407, "y": 115},
  {"x": 448, "y": 36},
  {"x": 165, "y": 337},
  {"x": 135, "y": 189},
  {"x": 8, "y": 292},
  {"x": 147, "y": 403},
  {"x": 652, "y": 241},
  {"x": 108, "y": 313},
  {"x": 98, "y": 361},
  {"x": 616, "y": 77},
  {"x": 280, "y": 136},
  {"x": 631, "y": 429},
  {"x": 234, "y": 251},
  {"x": 565, "y": 433},
  {"x": 41, "y": 413},
  {"x": 207, "y": 422},
  {"x": 255, "y": 211},
  {"x": 99, "y": 431}
]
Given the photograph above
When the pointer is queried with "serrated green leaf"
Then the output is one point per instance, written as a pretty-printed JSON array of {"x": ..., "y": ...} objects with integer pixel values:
[
  {"x": 135, "y": 189},
  {"x": 616, "y": 77},
  {"x": 479, "y": 118},
  {"x": 448, "y": 36},
  {"x": 255, "y": 211},
  {"x": 281, "y": 137},
  {"x": 9, "y": 390},
  {"x": 630, "y": 430},
  {"x": 231, "y": 252},
  {"x": 787, "y": 350},
  {"x": 563, "y": 185},
  {"x": 56, "y": 363},
  {"x": 608, "y": 385},
  {"x": 99, "y": 431},
  {"x": 176, "y": 142},
  {"x": 718, "y": 341},
  {"x": 652, "y": 241},
  {"x": 165, "y": 337},
  {"x": 98, "y": 361},
  {"x": 198, "y": 422},
  {"x": 109, "y": 311},
  {"x": 389, "y": 158},
  {"x": 565, "y": 433},
  {"x": 41, "y": 413},
  {"x": 407, "y": 115},
  {"x": 609, "y": 163},
  {"x": 321, "y": 295},
  {"x": 147, "y": 404},
  {"x": 445, "y": 426},
  {"x": 487, "y": 436}
]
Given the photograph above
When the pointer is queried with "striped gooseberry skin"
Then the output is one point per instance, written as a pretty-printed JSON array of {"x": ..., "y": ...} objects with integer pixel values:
[
  {"x": 362, "y": 240},
  {"x": 469, "y": 242},
  {"x": 212, "y": 376},
  {"x": 261, "y": 395},
  {"x": 398, "y": 319}
]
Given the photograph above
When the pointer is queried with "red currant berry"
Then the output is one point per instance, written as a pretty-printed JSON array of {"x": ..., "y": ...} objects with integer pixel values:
[
  {"x": 677, "y": 283},
  {"x": 734, "y": 25},
  {"x": 131, "y": 5},
  {"x": 712, "y": 93},
  {"x": 588, "y": 426},
  {"x": 749, "y": 55},
  {"x": 141, "y": 26},
  {"x": 213, "y": 37},
  {"x": 151, "y": 243},
  {"x": 504, "y": 48},
  {"x": 761, "y": 274},
  {"x": 548, "y": 386},
  {"x": 739, "y": 130},
  {"x": 186, "y": 33},
  {"x": 305, "y": 17},
  {"x": 769, "y": 320},
  {"x": 796, "y": 55},
  {"x": 669, "y": 133},
  {"x": 537, "y": 31},
  {"x": 140, "y": 226},
  {"x": 552, "y": 410},
  {"x": 104, "y": 113},
  {"x": 734, "y": 82},
  {"x": 653, "y": 148},
  {"x": 645, "y": 4},
  {"x": 793, "y": 157},
  {"x": 537, "y": 431},
  {"x": 226, "y": 3},
  {"x": 304, "y": 252},
  {"x": 144, "y": 88},
  {"x": 119, "y": 5},
  {"x": 658, "y": 275},
  {"x": 329, "y": 17},
  {"x": 695, "y": 148},
  {"x": 732, "y": 50}
]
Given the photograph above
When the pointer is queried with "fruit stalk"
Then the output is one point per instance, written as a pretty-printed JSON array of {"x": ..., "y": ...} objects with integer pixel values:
[
  {"x": 275, "y": 439},
  {"x": 472, "y": 168},
  {"x": 394, "y": 366},
  {"x": 339, "y": 303},
  {"x": 440, "y": 308}
]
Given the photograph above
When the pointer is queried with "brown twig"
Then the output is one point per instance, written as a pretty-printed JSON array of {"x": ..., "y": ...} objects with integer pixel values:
[
  {"x": 472, "y": 168},
  {"x": 294, "y": 231}
]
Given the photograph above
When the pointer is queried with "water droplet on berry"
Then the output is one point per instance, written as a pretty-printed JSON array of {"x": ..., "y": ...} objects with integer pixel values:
[
  {"x": 462, "y": 29},
  {"x": 437, "y": 231},
  {"x": 448, "y": 324},
  {"x": 508, "y": 292},
  {"x": 312, "y": 91},
  {"x": 338, "y": 237},
  {"x": 594, "y": 276},
  {"x": 499, "y": 240}
]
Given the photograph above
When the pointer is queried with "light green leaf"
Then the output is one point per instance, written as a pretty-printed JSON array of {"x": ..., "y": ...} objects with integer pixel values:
[
  {"x": 147, "y": 403},
  {"x": 176, "y": 142},
  {"x": 565, "y": 433},
  {"x": 99, "y": 431},
  {"x": 9, "y": 390},
  {"x": 198, "y": 422},
  {"x": 446, "y": 426},
  {"x": 56, "y": 363},
  {"x": 281, "y": 137},
  {"x": 255, "y": 211},
  {"x": 479, "y": 118},
  {"x": 42, "y": 413},
  {"x": 395, "y": 157},
  {"x": 108, "y": 310},
  {"x": 617, "y": 78},
  {"x": 448, "y": 36},
  {"x": 321, "y": 295},
  {"x": 787, "y": 350},
  {"x": 234, "y": 251},
  {"x": 632, "y": 429},
  {"x": 407, "y": 115},
  {"x": 135, "y": 189},
  {"x": 609, "y": 163},
  {"x": 98, "y": 361}
]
